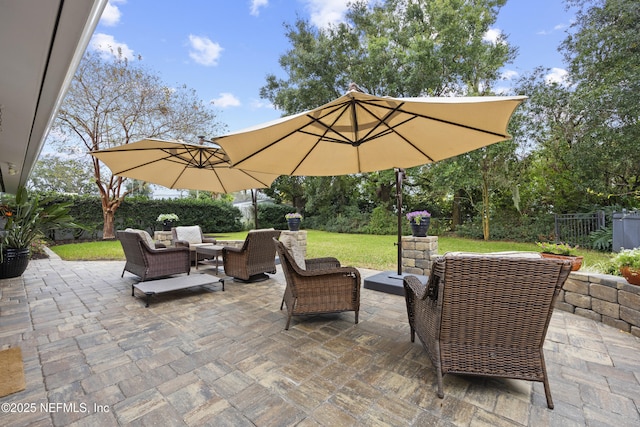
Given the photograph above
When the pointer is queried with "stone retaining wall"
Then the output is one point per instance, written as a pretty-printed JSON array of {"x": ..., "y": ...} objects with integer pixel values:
[
  {"x": 601, "y": 297},
  {"x": 604, "y": 298}
]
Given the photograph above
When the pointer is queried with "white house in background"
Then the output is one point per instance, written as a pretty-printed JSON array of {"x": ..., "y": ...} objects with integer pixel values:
[{"x": 41, "y": 44}]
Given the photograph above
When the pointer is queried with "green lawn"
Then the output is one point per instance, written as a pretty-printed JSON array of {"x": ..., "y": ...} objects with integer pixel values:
[{"x": 360, "y": 250}]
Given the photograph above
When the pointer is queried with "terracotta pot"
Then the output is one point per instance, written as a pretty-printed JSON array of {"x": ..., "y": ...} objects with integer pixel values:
[
  {"x": 576, "y": 261},
  {"x": 631, "y": 274}
]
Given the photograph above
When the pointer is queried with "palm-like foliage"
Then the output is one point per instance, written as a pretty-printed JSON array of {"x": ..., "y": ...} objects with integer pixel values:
[{"x": 29, "y": 218}]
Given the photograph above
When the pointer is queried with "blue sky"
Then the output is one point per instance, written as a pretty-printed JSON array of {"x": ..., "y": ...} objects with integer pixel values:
[{"x": 224, "y": 49}]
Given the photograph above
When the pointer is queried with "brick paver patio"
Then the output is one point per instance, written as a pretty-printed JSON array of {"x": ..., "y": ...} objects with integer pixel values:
[{"x": 95, "y": 356}]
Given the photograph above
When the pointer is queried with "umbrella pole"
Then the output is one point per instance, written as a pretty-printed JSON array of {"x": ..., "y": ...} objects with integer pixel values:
[
  {"x": 254, "y": 200},
  {"x": 399, "y": 176}
]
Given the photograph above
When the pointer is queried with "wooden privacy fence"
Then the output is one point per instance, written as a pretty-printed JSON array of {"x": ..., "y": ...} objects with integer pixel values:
[{"x": 575, "y": 228}]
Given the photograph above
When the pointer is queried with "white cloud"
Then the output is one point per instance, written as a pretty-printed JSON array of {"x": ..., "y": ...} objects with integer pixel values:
[
  {"x": 256, "y": 5},
  {"x": 492, "y": 35},
  {"x": 109, "y": 47},
  {"x": 204, "y": 51},
  {"x": 259, "y": 104},
  {"x": 502, "y": 90},
  {"x": 509, "y": 75},
  {"x": 111, "y": 14},
  {"x": 226, "y": 99},
  {"x": 557, "y": 75},
  {"x": 325, "y": 12},
  {"x": 558, "y": 27}
]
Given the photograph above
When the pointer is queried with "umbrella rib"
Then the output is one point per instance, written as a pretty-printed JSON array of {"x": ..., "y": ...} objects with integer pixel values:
[
  {"x": 324, "y": 137},
  {"x": 392, "y": 129},
  {"x": 344, "y": 106},
  {"x": 271, "y": 144},
  {"x": 448, "y": 122},
  {"x": 253, "y": 177}
]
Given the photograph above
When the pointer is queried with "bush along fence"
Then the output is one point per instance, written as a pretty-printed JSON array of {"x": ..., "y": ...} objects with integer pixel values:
[{"x": 212, "y": 215}]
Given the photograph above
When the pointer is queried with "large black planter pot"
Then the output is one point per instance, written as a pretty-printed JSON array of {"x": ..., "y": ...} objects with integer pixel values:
[
  {"x": 293, "y": 224},
  {"x": 14, "y": 262},
  {"x": 420, "y": 230},
  {"x": 166, "y": 225}
]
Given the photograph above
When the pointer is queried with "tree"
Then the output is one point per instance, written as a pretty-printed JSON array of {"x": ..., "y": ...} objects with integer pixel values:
[
  {"x": 551, "y": 121},
  {"x": 604, "y": 63},
  {"x": 396, "y": 48},
  {"x": 115, "y": 101},
  {"x": 137, "y": 188},
  {"x": 585, "y": 137},
  {"x": 53, "y": 173}
]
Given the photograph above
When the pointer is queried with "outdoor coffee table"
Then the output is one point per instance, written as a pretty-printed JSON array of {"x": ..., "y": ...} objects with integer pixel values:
[
  {"x": 209, "y": 252},
  {"x": 159, "y": 286}
]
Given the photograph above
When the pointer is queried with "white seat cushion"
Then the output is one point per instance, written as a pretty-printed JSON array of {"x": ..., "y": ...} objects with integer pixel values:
[
  {"x": 191, "y": 234},
  {"x": 145, "y": 236}
]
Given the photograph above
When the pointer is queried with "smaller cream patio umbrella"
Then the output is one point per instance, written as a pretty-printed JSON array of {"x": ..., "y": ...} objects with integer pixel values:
[{"x": 181, "y": 165}]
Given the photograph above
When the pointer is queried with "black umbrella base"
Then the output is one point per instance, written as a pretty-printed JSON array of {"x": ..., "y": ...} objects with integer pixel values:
[
  {"x": 389, "y": 282},
  {"x": 261, "y": 277}
]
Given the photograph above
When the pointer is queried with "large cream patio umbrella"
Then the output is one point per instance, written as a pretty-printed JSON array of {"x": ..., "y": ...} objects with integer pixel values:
[
  {"x": 359, "y": 132},
  {"x": 181, "y": 165},
  {"x": 364, "y": 133}
]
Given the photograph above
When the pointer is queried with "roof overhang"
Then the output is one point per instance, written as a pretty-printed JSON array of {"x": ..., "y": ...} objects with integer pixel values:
[{"x": 41, "y": 45}]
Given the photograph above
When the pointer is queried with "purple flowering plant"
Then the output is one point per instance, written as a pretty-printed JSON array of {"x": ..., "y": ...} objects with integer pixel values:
[{"x": 416, "y": 216}]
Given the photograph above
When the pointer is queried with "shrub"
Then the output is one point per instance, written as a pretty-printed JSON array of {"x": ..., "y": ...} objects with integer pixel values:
[
  {"x": 381, "y": 222},
  {"x": 271, "y": 215}
]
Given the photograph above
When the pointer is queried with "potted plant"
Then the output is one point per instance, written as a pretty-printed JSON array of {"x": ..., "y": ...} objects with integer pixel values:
[
  {"x": 293, "y": 221},
  {"x": 168, "y": 220},
  {"x": 27, "y": 220},
  {"x": 627, "y": 261},
  {"x": 561, "y": 251},
  {"x": 419, "y": 221}
]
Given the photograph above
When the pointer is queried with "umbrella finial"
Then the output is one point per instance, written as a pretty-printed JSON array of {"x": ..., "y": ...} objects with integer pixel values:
[{"x": 353, "y": 86}]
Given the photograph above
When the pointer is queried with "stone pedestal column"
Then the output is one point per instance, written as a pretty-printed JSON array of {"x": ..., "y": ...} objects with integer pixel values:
[
  {"x": 417, "y": 253},
  {"x": 296, "y": 243},
  {"x": 163, "y": 237}
]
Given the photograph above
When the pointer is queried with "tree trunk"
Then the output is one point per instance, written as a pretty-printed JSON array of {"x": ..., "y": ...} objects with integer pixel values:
[
  {"x": 456, "y": 214},
  {"x": 485, "y": 207},
  {"x": 108, "y": 230}
]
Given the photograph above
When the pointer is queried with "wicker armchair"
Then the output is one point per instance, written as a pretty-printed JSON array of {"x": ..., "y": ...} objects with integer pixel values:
[
  {"x": 256, "y": 257},
  {"x": 486, "y": 315},
  {"x": 322, "y": 286},
  {"x": 190, "y": 237},
  {"x": 146, "y": 261}
]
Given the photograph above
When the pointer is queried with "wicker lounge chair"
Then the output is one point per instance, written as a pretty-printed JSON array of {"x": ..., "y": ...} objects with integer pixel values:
[
  {"x": 486, "y": 315},
  {"x": 147, "y": 261},
  {"x": 322, "y": 286},
  {"x": 256, "y": 257},
  {"x": 191, "y": 237}
]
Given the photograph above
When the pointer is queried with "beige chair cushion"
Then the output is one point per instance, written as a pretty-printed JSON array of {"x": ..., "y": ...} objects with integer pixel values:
[
  {"x": 191, "y": 234},
  {"x": 507, "y": 254},
  {"x": 145, "y": 236}
]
